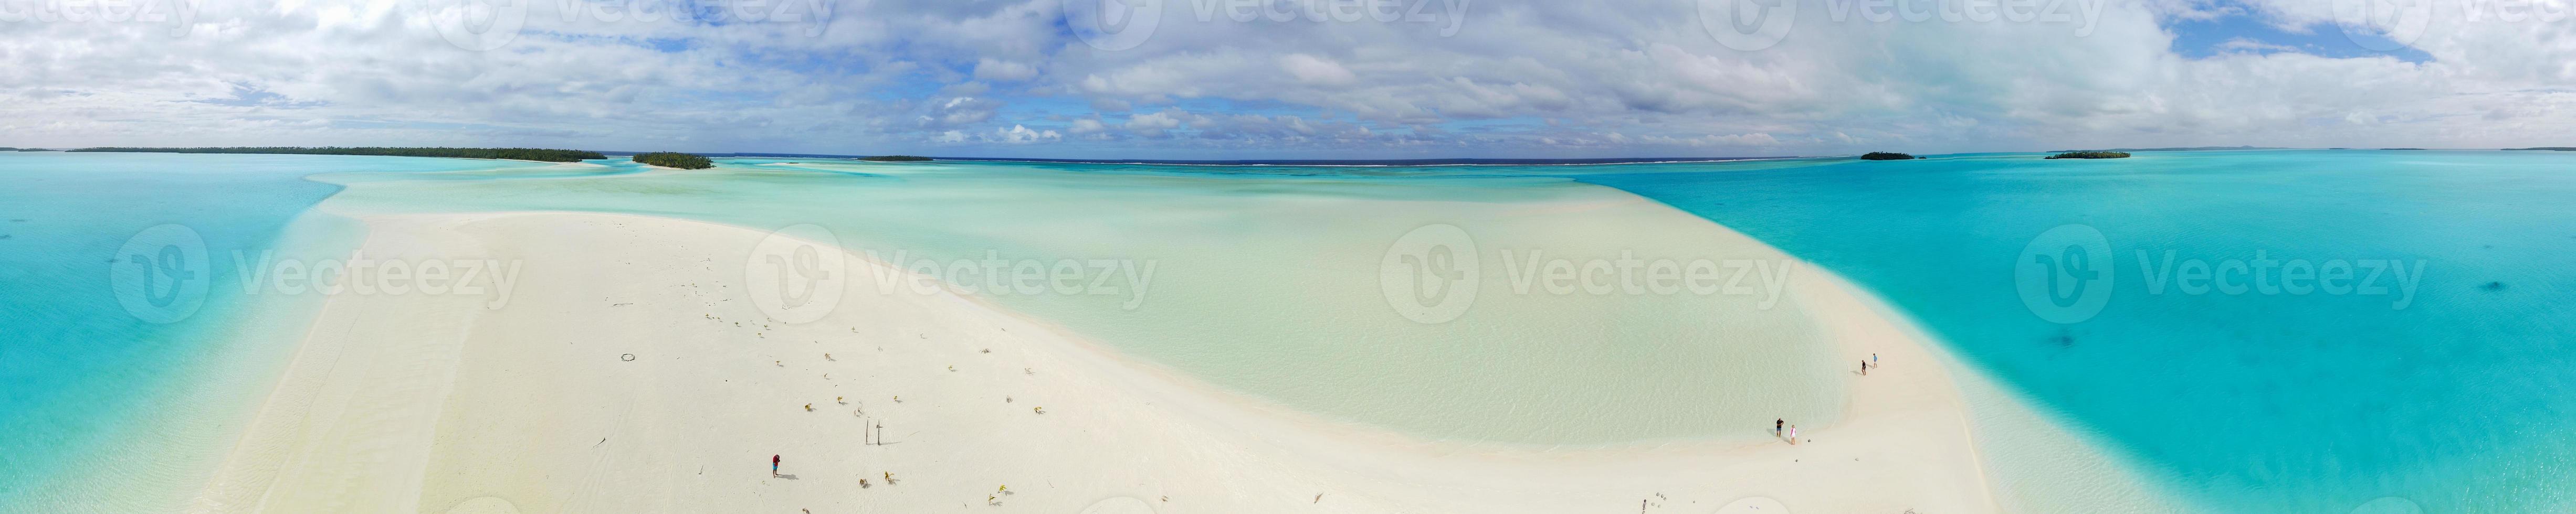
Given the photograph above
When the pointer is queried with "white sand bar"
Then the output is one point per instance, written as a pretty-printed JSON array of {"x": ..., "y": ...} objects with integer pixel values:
[{"x": 437, "y": 403}]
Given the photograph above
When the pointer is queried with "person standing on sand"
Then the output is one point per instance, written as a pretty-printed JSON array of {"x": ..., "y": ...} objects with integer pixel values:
[
  {"x": 773, "y": 465},
  {"x": 1864, "y": 368},
  {"x": 1793, "y": 434},
  {"x": 1775, "y": 426}
]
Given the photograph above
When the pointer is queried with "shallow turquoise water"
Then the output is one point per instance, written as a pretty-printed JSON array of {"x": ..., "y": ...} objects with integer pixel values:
[
  {"x": 2463, "y": 400},
  {"x": 86, "y": 387},
  {"x": 2458, "y": 401}
]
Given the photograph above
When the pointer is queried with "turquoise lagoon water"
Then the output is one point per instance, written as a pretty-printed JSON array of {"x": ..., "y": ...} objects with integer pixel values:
[
  {"x": 2463, "y": 400},
  {"x": 103, "y": 410},
  {"x": 2458, "y": 401}
]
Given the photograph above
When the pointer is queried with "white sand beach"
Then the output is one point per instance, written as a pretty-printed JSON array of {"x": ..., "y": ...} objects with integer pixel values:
[{"x": 439, "y": 404}]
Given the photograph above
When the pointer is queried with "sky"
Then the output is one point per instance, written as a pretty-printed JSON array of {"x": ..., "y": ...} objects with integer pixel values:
[{"x": 1303, "y": 79}]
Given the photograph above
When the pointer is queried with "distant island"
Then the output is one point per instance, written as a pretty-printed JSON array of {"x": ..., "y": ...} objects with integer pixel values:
[
  {"x": 2549, "y": 148},
  {"x": 2184, "y": 149},
  {"x": 2401, "y": 148},
  {"x": 675, "y": 160},
  {"x": 895, "y": 158},
  {"x": 520, "y": 154},
  {"x": 1885, "y": 156},
  {"x": 2091, "y": 155}
]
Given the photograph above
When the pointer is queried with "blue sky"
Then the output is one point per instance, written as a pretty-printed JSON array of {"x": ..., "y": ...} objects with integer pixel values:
[
  {"x": 1256, "y": 79},
  {"x": 2239, "y": 29}
]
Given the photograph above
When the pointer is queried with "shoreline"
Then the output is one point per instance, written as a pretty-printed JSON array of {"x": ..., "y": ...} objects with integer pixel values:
[
  {"x": 156, "y": 458},
  {"x": 331, "y": 404}
]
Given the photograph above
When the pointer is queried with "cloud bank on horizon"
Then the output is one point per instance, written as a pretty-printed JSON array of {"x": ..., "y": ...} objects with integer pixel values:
[{"x": 1240, "y": 79}]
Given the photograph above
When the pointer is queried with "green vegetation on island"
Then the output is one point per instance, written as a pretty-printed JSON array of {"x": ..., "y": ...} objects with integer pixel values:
[
  {"x": 675, "y": 160},
  {"x": 2091, "y": 155},
  {"x": 522, "y": 154},
  {"x": 895, "y": 158},
  {"x": 1885, "y": 156}
]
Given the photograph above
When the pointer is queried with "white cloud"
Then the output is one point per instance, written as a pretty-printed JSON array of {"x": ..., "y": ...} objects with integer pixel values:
[
  {"x": 1519, "y": 77},
  {"x": 1316, "y": 70},
  {"x": 1152, "y": 124},
  {"x": 1006, "y": 71},
  {"x": 1022, "y": 135}
]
